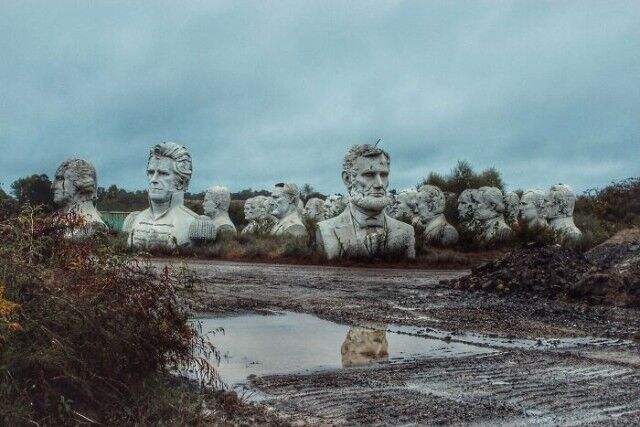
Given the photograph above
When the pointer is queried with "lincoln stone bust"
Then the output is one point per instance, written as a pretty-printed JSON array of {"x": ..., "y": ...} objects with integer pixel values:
[
  {"x": 364, "y": 229},
  {"x": 165, "y": 224},
  {"x": 285, "y": 199},
  {"x": 75, "y": 191}
]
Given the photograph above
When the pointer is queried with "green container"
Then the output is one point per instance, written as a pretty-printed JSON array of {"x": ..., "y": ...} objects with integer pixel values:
[{"x": 114, "y": 220}]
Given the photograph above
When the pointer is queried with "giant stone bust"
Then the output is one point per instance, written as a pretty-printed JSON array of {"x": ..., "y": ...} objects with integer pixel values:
[
  {"x": 215, "y": 220},
  {"x": 512, "y": 208},
  {"x": 256, "y": 212},
  {"x": 430, "y": 204},
  {"x": 489, "y": 214},
  {"x": 334, "y": 205},
  {"x": 75, "y": 191},
  {"x": 533, "y": 209},
  {"x": 165, "y": 224},
  {"x": 561, "y": 201},
  {"x": 467, "y": 204},
  {"x": 315, "y": 209},
  {"x": 403, "y": 205},
  {"x": 363, "y": 229},
  {"x": 285, "y": 200}
]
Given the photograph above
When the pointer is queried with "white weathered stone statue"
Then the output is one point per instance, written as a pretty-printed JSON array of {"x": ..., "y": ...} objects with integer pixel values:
[
  {"x": 489, "y": 213},
  {"x": 512, "y": 208},
  {"x": 166, "y": 223},
  {"x": 429, "y": 216},
  {"x": 256, "y": 212},
  {"x": 403, "y": 206},
  {"x": 315, "y": 209},
  {"x": 215, "y": 220},
  {"x": 467, "y": 204},
  {"x": 561, "y": 200},
  {"x": 364, "y": 229},
  {"x": 285, "y": 199},
  {"x": 216, "y": 206},
  {"x": 334, "y": 205},
  {"x": 364, "y": 345},
  {"x": 75, "y": 192},
  {"x": 533, "y": 207}
]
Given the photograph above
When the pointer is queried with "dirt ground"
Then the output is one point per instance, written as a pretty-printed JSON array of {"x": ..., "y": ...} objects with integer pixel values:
[{"x": 596, "y": 382}]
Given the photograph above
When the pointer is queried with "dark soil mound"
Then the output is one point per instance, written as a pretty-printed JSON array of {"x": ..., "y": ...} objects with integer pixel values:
[
  {"x": 538, "y": 268},
  {"x": 617, "y": 249},
  {"x": 609, "y": 274}
]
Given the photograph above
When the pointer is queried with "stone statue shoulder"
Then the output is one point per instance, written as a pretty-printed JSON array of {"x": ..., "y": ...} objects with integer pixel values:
[
  {"x": 332, "y": 233},
  {"x": 127, "y": 225},
  {"x": 402, "y": 227},
  {"x": 203, "y": 228},
  {"x": 186, "y": 211}
]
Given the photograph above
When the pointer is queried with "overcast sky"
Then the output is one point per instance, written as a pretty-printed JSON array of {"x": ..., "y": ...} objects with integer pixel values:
[{"x": 270, "y": 91}]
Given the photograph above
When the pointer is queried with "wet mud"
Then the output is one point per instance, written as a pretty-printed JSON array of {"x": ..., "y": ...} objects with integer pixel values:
[{"x": 551, "y": 362}]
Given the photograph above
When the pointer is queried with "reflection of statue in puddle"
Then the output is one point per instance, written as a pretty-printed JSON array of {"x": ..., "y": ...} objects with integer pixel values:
[{"x": 364, "y": 345}]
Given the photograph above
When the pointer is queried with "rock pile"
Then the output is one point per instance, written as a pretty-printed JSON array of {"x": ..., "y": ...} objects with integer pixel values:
[
  {"x": 615, "y": 279},
  {"x": 608, "y": 274},
  {"x": 538, "y": 268}
]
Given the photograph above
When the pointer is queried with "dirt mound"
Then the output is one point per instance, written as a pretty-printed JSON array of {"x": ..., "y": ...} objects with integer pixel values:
[
  {"x": 622, "y": 246},
  {"x": 609, "y": 274},
  {"x": 538, "y": 268}
]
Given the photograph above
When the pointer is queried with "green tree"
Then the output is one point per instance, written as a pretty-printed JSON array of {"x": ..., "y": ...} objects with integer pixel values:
[
  {"x": 462, "y": 176},
  {"x": 34, "y": 190}
]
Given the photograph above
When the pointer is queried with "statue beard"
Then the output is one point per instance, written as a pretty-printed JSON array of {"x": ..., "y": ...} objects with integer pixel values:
[{"x": 369, "y": 203}]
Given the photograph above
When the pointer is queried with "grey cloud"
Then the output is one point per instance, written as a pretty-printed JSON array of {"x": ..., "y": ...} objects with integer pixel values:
[{"x": 269, "y": 91}]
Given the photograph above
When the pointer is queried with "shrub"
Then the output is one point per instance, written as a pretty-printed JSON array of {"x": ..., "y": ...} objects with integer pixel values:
[
  {"x": 462, "y": 176},
  {"x": 236, "y": 213},
  {"x": 93, "y": 333}
]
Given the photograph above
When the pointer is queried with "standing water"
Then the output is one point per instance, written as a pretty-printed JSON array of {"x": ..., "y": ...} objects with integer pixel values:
[{"x": 288, "y": 343}]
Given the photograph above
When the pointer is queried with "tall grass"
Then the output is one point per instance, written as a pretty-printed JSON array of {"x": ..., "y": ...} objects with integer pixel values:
[{"x": 89, "y": 335}]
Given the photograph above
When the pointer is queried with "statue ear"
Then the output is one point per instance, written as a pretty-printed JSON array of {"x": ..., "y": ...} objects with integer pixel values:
[{"x": 346, "y": 178}]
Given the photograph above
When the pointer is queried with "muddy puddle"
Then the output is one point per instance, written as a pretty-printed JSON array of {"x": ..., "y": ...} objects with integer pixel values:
[{"x": 287, "y": 343}]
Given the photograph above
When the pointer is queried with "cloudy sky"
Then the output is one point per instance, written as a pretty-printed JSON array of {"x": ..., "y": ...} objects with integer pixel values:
[{"x": 269, "y": 91}]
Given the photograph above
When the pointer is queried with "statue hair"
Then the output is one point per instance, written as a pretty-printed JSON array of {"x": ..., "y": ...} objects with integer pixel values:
[
  {"x": 291, "y": 190},
  {"x": 86, "y": 180},
  {"x": 361, "y": 150}
]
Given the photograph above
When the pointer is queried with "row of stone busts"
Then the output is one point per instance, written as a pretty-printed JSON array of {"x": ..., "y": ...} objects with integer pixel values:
[
  {"x": 489, "y": 214},
  {"x": 365, "y": 223},
  {"x": 486, "y": 212}
]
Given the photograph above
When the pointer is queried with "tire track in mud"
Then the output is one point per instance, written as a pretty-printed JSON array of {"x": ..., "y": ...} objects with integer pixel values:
[{"x": 509, "y": 388}]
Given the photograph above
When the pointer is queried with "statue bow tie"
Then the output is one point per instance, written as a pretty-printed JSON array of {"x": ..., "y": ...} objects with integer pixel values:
[{"x": 373, "y": 222}]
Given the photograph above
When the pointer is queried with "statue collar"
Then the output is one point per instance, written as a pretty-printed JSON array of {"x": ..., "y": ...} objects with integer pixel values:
[
  {"x": 363, "y": 220},
  {"x": 177, "y": 199}
]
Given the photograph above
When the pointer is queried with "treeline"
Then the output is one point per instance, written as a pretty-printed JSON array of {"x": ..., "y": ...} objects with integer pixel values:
[{"x": 599, "y": 212}]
